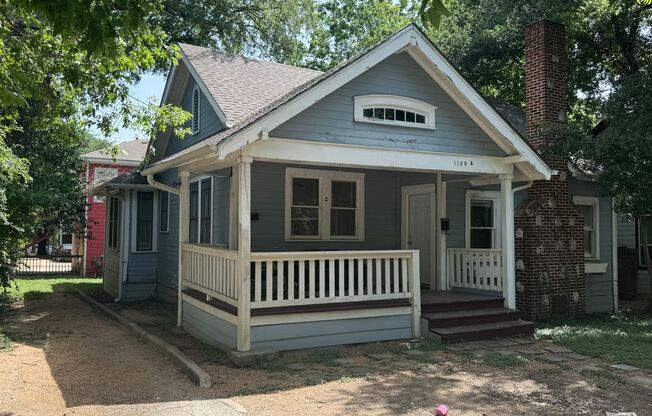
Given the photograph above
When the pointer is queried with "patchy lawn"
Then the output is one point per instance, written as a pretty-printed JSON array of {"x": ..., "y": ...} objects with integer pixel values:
[
  {"x": 38, "y": 287},
  {"x": 623, "y": 338}
]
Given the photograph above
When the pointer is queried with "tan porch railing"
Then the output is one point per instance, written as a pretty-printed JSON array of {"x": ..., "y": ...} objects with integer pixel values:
[
  {"x": 475, "y": 269},
  {"x": 211, "y": 270}
]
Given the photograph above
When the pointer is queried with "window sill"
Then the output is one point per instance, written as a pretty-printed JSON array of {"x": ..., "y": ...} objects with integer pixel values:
[{"x": 595, "y": 268}]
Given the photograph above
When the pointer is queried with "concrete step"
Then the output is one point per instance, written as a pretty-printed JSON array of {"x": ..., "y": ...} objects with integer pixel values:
[
  {"x": 512, "y": 328},
  {"x": 470, "y": 317}
]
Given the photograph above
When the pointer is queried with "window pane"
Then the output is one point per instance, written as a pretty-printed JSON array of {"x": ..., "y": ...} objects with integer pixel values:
[
  {"x": 587, "y": 212},
  {"x": 389, "y": 114},
  {"x": 343, "y": 222},
  {"x": 368, "y": 112},
  {"x": 379, "y": 113},
  {"x": 163, "y": 203},
  {"x": 305, "y": 221},
  {"x": 305, "y": 192},
  {"x": 400, "y": 115},
  {"x": 482, "y": 213},
  {"x": 193, "y": 212},
  {"x": 205, "y": 214},
  {"x": 344, "y": 194},
  {"x": 482, "y": 238},
  {"x": 409, "y": 116},
  {"x": 421, "y": 119},
  {"x": 588, "y": 243},
  {"x": 144, "y": 220}
]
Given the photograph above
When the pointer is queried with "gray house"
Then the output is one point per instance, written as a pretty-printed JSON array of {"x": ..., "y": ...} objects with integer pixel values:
[{"x": 375, "y": 201}]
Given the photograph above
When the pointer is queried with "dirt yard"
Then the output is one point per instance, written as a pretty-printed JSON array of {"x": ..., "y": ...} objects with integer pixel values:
[{"x": 69, "y": 359}]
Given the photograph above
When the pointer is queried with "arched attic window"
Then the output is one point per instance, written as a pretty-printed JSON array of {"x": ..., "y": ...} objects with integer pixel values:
[
  {"x": 195, "y": 110},
  {"x": 394, "y": 110}
]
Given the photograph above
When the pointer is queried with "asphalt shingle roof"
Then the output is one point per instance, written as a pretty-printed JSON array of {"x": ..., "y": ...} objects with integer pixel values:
[
  {"x": 241, "y": 86},
  {"x": 133, "y": 150}
]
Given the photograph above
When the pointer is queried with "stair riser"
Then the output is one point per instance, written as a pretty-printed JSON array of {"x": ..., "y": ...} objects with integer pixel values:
[
  {"x": 461, "y": 306},
  {"x": 526, "y": 330},
  {"x": 474, "y": 320}
]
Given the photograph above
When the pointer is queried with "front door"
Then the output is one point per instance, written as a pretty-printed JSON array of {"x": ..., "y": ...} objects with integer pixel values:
[{"x": 419, "y": 229}]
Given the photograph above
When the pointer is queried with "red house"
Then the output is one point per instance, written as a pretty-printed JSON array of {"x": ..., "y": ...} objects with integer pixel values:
[{"x": 101, "y": 167}]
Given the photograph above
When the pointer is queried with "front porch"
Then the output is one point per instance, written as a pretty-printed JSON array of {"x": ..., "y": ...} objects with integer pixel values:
[{"x": 274, "y": 280}]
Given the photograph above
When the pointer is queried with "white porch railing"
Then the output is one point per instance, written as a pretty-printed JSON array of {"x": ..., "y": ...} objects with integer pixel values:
[
  {"x": 211, "y": 270},
  {"x": 475, "y": 268},
  {"x": 305, "y": 278}
]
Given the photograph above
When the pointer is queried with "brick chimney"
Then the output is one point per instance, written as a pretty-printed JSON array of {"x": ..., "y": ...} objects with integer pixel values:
[{"x": 548, "y": 228}]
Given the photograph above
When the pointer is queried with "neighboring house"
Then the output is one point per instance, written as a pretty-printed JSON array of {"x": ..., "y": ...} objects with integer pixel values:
[
  {"x": 374, "y": 201},
  {"x": 101, "y": 167}
]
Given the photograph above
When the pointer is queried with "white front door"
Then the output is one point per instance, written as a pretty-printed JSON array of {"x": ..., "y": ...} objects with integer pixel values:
[{"x": 419, "y": 226}]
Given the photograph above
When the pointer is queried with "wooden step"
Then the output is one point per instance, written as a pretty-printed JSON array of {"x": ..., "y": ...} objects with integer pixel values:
[
  {"x": 453, "y": 334},
  {"x": 470, "y": 317},
  {"x": 461, "y": 303}
]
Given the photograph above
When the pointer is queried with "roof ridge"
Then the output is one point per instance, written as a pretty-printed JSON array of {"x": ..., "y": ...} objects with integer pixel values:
[{"x": 259, "y": 60}]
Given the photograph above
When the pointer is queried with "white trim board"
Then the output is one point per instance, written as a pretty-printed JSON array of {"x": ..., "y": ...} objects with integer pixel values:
[{"x": 355, "y": 156}]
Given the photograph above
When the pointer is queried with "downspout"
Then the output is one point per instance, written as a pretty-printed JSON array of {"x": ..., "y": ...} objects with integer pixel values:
[
  {"x": 522, "y": 187},
  {"x": 161, "y": 186}
]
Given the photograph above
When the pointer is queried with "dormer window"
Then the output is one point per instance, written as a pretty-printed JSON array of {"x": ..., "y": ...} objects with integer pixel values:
[
  {"x": 195, "y": 110},
  {"x": 394, "y": 110}
]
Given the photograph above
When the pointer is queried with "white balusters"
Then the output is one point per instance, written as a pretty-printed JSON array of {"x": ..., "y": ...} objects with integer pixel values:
[{"x": 475, "y": 268}]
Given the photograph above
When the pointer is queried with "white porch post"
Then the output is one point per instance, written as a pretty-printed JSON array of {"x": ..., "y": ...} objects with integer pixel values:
[
  {"x": 183, "y": 238},
  {"x": 507, "y": 237},
  {"x": 415, "y": 283},
  {"x": 244, "y": 252},
  {"x": 442, "y": 275}
]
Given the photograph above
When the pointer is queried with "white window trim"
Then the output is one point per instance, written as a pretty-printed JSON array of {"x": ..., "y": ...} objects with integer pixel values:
[
  {"x": 394, "y": 101},
  {"x": 490, "y": 196},
  {"x": 197, "y": 91},
  {"x": 325, "y": 178},
  {"x": 198, "y": 179},
  {"x": 595, "y": 203},
  {"x": 167, "y": 225},
  {"x": 134, "y": 222}
]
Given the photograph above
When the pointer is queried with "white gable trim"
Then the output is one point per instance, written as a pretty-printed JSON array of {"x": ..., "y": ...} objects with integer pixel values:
[{"x": 204, "y": 90}]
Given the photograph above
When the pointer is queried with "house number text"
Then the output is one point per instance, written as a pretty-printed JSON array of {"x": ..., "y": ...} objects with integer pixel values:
[{"x": 462, "y": 163}]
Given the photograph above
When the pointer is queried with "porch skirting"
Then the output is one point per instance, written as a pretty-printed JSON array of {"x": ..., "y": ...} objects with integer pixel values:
[{"x": 283, "y": 332}]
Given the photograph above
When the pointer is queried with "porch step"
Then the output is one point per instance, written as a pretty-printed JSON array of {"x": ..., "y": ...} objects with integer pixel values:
[
  {"x": 470, "y": 317},
  {"x": 453, "y": 334},
  {"x": 460, "y": 302}
]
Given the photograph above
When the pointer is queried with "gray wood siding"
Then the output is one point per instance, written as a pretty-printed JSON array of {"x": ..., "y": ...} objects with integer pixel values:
[
  {"x": 599, "y": 287},
  {"x": 208, "y": 328},
  {"x": 168, "y": 243},
  {"x": 332, "y": 332},
  {"x": 208, "y": 121},
  {"x": 331, "y": 118},
  {"x": 627, "y": 238}
]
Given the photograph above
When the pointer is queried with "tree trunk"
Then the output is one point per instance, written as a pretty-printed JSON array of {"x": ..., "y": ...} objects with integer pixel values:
[{"x": 643, "y": 221}]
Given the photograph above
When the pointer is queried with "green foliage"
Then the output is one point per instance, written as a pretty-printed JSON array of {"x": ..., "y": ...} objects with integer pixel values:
[
  {"x": 625, "y": 338},
  {"x": 431, "y": 12},
  {"x": 345, "y": 27}
]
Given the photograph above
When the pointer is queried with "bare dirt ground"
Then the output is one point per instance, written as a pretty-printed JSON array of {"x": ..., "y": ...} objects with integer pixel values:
[{"x": 69, "y": 359}]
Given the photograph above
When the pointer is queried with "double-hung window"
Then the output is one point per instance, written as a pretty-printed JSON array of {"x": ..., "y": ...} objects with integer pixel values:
[
  {"x": 144, "y": 221},
  {"x": 200, "y": 204},
  {"x": 113, "y": 226},
  {"x": 589, "y": 208},
  {"x": 482, "y": 217},
  {"x": 324, "y": 205}
]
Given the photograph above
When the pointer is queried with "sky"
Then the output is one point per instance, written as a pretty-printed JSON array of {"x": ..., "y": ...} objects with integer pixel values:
[{"x": 150, "y": 85}]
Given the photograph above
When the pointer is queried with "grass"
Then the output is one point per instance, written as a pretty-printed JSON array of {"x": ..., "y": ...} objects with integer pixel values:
[
  {"x": 624, "y": 338},
  {"x": 27, "y": 288}
]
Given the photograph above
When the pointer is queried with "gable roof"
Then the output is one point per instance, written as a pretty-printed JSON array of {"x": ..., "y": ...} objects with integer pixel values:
[
  {"x": 241, "y": 86},
  {"x": 131, "y": 179},
  {"x": 411, "y": 40},
  {"x": 131, "y": 153}
]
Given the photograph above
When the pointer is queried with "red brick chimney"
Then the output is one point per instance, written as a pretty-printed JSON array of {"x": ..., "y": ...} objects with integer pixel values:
[{"x": 549, "y": 230}]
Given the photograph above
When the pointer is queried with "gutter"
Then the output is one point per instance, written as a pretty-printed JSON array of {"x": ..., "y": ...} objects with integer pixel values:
[{"x": 161, "y": 186}]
